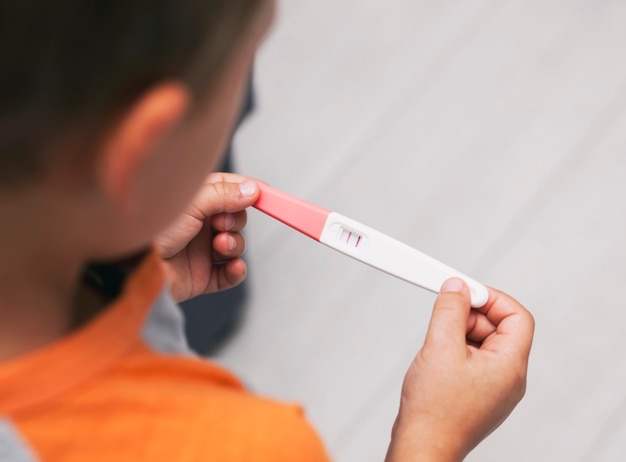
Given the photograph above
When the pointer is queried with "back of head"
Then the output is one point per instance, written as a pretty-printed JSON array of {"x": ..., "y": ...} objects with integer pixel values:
[{"x": 76, "y": 64}]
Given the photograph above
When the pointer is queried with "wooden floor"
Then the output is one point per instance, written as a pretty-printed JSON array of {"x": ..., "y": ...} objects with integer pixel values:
[{"x": 488, "y": 134}]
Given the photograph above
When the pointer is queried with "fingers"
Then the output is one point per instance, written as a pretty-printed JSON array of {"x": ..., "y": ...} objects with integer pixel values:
[
  {"x": 479, "y": 328},
  {"x": 228, "y": 275},
  {"x": 224, "y": 198},
  {"x": 228, "y": 242},
  {"x": 503, "y": 325},
  {"x": 227, "y": 246},
  {"x": 233, "y": 222},
  {"x": 224, "y": 195},
  {"x": 514, "y": 325},
  {"x": 449, "y": 320}
]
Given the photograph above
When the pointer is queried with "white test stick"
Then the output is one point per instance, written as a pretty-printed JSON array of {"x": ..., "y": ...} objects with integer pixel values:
[{"x": 363, "y": 243}]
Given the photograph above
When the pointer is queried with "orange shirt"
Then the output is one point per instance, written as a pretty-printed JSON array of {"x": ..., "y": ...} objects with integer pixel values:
[{"x": 105, "y": 393}]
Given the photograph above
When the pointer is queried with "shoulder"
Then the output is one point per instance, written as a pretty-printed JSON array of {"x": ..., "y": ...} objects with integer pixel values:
[
  {"x": 179, "y": 407},
  {"x": 191, "y": 414},
  {"x": 262, "y": 429},
  {"x": 227, "y": 422}
]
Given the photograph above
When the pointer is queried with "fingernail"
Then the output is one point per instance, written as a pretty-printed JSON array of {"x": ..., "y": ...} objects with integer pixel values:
[
  {"x": 452, "y": 285},
  {"x": 232, "y": 243},
  {"x": 229, "y": 222},
  {"x": 248, "y": 188}
]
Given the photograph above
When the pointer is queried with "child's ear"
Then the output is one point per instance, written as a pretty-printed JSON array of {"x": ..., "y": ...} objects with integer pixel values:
[{"x": 129, "y": 146}]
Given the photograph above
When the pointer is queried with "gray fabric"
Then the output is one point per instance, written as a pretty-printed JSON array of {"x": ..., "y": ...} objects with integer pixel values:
[
  {"x": 164, "y": 329},
  {"x": 12, "y": 447}
]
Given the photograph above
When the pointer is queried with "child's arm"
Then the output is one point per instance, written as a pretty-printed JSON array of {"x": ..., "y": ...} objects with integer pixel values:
[
  {"x": 467, "y": 378},
  {"x": 202, "y": 249}
]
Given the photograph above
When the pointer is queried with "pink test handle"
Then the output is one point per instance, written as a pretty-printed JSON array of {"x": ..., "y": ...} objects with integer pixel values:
[{"x": 301, "y": 215}]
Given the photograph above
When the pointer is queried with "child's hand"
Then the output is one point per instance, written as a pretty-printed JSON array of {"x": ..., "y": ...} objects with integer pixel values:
[
  {"x": 202, "y": 249},
  {"x": 467, "y": 378}
]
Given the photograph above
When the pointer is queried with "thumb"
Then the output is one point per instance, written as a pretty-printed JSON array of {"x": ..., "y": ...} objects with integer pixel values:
[
  {"x": 224, "y": 197},
  {"x": 448, "y": 323},
  {"x": 213, "y": 198}
]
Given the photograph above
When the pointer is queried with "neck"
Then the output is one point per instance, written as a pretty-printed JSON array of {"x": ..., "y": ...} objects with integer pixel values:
[{"x": 38, "y": 279}]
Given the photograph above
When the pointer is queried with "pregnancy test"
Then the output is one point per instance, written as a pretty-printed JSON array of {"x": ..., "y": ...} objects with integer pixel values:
[{"x": 363, "y": 243}]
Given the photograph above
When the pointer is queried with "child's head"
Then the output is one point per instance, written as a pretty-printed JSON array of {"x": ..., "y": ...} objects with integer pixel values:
[{"x": 113, "y": 111}]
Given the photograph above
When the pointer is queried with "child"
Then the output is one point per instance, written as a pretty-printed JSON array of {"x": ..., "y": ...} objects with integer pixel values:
[{"x": 112, "y": 115}]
